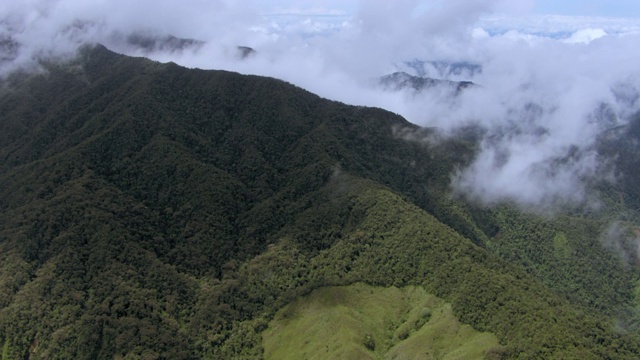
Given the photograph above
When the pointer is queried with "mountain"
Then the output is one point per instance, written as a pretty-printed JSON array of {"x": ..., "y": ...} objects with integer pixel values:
[
  {"x": 15, "y": 52},
  {"x": 444, "y": 69},
  {"x": 150, "y": 43},
  {"x": 245, "y": 52},
  {"x": 402, "y": 81},
  {"x": 8, "y": 49},
  {"x": 153, "y": 211}
]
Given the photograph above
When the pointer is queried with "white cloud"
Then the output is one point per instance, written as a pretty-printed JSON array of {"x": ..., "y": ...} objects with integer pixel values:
[{"x": 586, "y": 36}]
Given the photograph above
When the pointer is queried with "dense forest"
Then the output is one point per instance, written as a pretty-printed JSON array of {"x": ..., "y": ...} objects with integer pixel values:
[{"x": 150, "y": 211}]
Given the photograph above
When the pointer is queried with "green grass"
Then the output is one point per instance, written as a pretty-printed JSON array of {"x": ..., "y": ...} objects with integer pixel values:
[
  {"x": 561, "y": 246},
  {"x": 5, "y": 349},
  {"x": 364, "y": 322}
]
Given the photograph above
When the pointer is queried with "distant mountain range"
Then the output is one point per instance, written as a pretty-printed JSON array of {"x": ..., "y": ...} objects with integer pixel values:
[
  {"x": 443, "y": 69},
  {"x": 152, "y": 43},
  {"x": 403, "y": 81}
]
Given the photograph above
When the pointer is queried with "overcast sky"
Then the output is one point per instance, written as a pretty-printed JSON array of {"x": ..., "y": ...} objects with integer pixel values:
[
  {"x": 608, "y": 8},
  {"x": 614, "y": 8}
]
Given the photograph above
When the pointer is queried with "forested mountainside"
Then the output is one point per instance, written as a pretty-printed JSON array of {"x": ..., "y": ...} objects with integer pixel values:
[{"x": 153, "y": 211}]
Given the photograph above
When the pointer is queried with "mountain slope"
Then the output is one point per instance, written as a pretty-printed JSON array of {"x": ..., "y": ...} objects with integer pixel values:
[
  {"x": 148, "y": 210},
  {"x": 361, "y": 321}
]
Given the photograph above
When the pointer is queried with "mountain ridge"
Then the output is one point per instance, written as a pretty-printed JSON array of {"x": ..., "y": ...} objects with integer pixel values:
[
  {"x": 401, "y": 80},
  {"x": 150, "y": 210}
]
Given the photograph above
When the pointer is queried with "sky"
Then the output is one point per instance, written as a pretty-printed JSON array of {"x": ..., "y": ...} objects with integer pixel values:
[
  {"x": 608, "y": 8},
  {"x": 605, "y": 8},
  {"x": 554, "y": 74}
]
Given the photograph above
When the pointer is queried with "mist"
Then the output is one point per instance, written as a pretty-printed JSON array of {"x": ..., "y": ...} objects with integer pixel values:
[
  {"x": 546, "y": 87},
  {"x": 623, "y": 240}
]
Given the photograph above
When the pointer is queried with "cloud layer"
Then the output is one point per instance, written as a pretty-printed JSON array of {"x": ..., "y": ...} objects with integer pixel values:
[{"x": 548, "y": 85}]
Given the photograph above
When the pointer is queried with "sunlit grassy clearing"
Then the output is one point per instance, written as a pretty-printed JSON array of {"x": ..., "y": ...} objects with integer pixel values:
[{"x": 364, "y": 322}]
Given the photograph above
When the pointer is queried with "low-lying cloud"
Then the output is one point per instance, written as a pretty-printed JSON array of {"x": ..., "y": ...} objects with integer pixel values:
[{"x": 547, "y": 87}]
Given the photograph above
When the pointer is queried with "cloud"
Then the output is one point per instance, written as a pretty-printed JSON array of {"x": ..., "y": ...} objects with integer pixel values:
[
  {"x": 58, "y": 27},
  {"x": 543, "y": 103},
  {"x": 586, "y": 36},
  {"x": 549, "y": 85},
  {"x": 624, "y": 240}
]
